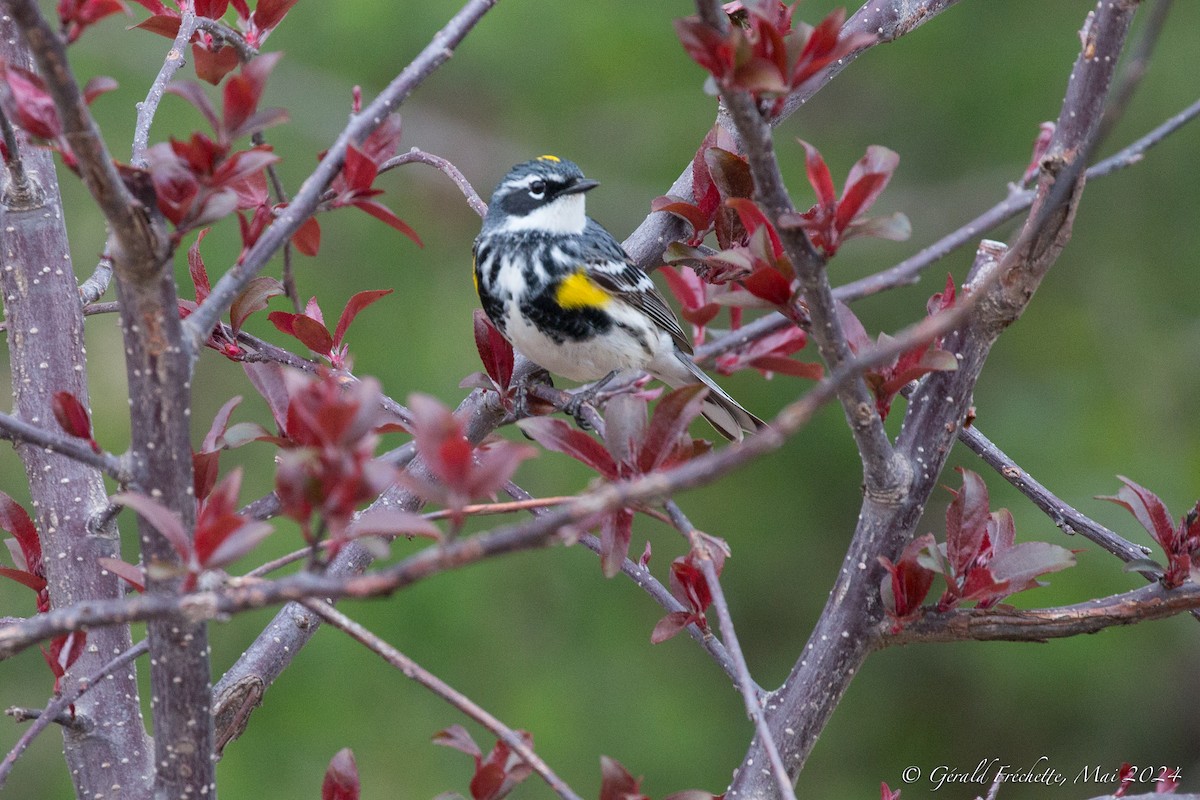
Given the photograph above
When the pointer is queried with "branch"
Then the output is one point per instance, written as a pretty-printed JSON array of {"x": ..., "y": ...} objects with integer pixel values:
[
  {"x": 59, "y": 705},
  {"x": 887, "y": 19},
  {"x": 440, "y": 688},
  {"x": 201, "y": 322},
  {"x": 418, "y": 156},
  {"x": 1063, "y": 515},
  {"x": 20, "y": 432},
  {"x": 1042, "y": 624},
  {"x": 845, "y": 632},
  {"x": 176, "y": 58},
  {"x": 751, "y": 697},
  {"x": 885, "y": 474}
]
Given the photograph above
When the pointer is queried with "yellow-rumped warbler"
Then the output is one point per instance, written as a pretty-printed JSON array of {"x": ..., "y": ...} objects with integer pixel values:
[{"x": 568, "y": 297}]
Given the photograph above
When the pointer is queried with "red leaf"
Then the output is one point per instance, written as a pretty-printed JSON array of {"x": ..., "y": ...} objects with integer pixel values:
[
  {"x": 243, "y": 91},
  {"x": 71, "y": 415},
  {"x": 165, "y": 22},
  {"x": 966, "y": 522},
  {"x": 359, "y": 170},
  {"x": 486, "y": 782},
  {"x": 126, "y": 572},
  {"x": 211, "y": 65},
  {"x": 161, "y": 518},
  {"x": 616, "y": 783},
  {"x": 353, "y": 306},
  {"x": 616, "y": 530},
  {"x": 213, "y": 440},
  {"x": 28, "y": 103},
  {"x": 196, "y": 269},
  {"x": 495, "y": 351},
  {"x": 909, "y": 581},
  {"x": 788, "y": 366},
  {"x": 307, "y": 238},
  {"x": 254, "y": 297},
  {"x": 35, "y": 582},
  {"x": 270, "y": 13},
  {"x": 312, "y": 334},
  {"x": 456, "y": 737},
  {"x": 672, "y": 416},
  {"x": 819, "y": 177},
  {"x": 15, "y": 519},
  {"x": 1148, "y": 509},
  {"x": 440, "y": 440},
  {"x": 558, "y": 435},
  {"x": 101, "y": 84},
  {"x": 867, "y": 179},
  {"x": 341, "y": 778},
  {"x": 670, "y": 625},
  {"x": 689, "y": 213},
  {"x": 384, "y": 214},
  {"x": 769, "y": 284}
]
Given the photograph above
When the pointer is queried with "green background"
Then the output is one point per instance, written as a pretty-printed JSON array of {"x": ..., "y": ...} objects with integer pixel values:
[{"x": 1099, "y": 378}]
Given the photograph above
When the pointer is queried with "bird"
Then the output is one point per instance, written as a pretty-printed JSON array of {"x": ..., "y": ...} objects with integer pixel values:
[{"x": 567, "y": 296}]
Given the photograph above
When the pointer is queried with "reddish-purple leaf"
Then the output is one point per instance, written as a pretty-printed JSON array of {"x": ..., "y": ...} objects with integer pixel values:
[
  {"x": 254, "y": 297},
  {"x": 311, "y": 333},
  {"x": 966, "y": 521},
  {"x": 307, "y": 238},
  {"x": 341, "y": 778},
  {"x": 558, "y": 435},
  {"x": 456, "y": 737},
  {"x": 161, "y": 518},
  {"x": 353, "y": 306},
  {"x": 192, "y": 93},
  {"x": 211, "y": 65},
  {"x": 1148, "y": 509},
  {"x": 196, "y": 268},
  {"x": 670, "y": 625},
  {"x": 15, "y": 519},
  {"x": 101, "y": 84},
  {"x": 359, "y": 170},
  {"x": 819, "y": 177},
  {"x": 384, "y": 214},
  {"x": 616, "y": 783},
  {"x": 35, "y": 582},
  {"x": 486, "y": 782},
  {"x": 689, "y": 213},
  {"x": 769, "y": 284},
  {"x": 71, "y": 416},
  {"x": 909, "y": 581},
  {"x": 669, "y": 423},
  {"x": 126, "y": 572},
  {"x": 213, "y": 440},
  {"x": 440, "y": 440},
  {"x": 28, "y": 103},
  {"x": 164, "y": 23},
  {"x": 268, "y": 379},
  {"x": 270, "y": 13},
  {"x": 495, "y": 351},
  {"x": 616, "y": 530},
  {"x": 788, "y": 366}
]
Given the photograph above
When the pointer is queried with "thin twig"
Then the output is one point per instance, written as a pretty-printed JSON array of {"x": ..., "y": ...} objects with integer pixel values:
[
  {"x": 412, "y": 670},
  {"x": 1042, "y": 624},
  {"x": 18, "y": 431},
  {"x": 148, "y": 108},
  {"x": 201, "y": 322},
  {"x": 416, "y": 155},
  {"x": 751, "y": 696},
  {"x": 59, "y": 705},
  {"x": 97, "y": 284},
  {"x": 20, "y": 191},
  {"x": 1063, "y": 515}
]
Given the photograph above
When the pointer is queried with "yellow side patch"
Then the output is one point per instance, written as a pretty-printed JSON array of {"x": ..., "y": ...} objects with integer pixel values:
[
  {"x": 555, "y": 159},
  {"x": 475, "y": 274},
  {"x": 579, "y": 291}
]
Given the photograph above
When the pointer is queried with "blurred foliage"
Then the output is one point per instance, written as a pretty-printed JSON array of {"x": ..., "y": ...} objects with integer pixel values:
[{"x": 1098, "y": 378}]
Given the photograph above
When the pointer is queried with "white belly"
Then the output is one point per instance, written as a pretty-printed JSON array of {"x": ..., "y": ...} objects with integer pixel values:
[{"x": 580, "y": 361}]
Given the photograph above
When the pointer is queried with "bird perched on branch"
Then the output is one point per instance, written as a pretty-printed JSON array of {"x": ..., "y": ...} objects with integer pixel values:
[{"x": 564, "y": 292}]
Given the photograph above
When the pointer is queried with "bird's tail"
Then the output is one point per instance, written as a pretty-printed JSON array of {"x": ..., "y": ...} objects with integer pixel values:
[{"x": 722, "y": 411}]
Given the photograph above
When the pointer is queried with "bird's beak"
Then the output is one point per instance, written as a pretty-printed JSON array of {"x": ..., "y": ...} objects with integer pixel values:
[{"x": 579, "y": 186}]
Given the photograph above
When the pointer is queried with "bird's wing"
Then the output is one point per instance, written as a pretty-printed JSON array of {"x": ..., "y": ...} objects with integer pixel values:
[{"x": 613, "y": 271}]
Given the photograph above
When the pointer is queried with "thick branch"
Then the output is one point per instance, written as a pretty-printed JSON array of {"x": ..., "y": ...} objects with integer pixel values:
[{"x": 844, "y": 634}]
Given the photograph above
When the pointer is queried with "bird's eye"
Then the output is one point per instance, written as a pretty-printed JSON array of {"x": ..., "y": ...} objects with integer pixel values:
[{"x": 537, "y": 189}]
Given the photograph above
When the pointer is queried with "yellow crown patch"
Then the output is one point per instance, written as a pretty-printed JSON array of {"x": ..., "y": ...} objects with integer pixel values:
[{"x": 555, "y": 159}]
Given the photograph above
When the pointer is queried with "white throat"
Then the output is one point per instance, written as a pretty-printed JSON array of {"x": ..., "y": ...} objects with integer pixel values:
[{"x": 564, "y": 215}]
